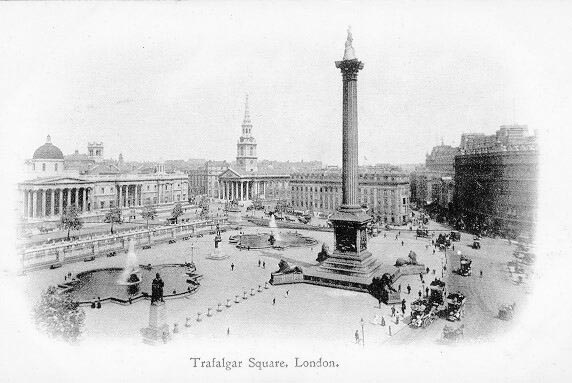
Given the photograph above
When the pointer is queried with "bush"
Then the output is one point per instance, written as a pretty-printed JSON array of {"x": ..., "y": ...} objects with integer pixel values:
[{"x": 59, "y": 316}]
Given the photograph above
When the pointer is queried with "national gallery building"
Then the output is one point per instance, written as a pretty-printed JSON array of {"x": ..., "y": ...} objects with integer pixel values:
[{"x": 91, "y": 183}]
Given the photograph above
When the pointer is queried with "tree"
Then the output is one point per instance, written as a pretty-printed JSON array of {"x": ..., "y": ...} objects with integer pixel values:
[
  {"x": 112, "y": 216},
  {"x": 177, "y": 212},
  {"x": 70, "y": 220},
  {"x": 59, "y": 315},
  {"x": 148, "y": 212}
]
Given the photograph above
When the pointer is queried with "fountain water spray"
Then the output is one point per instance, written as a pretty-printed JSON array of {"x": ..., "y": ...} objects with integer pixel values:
[
  {"x": 131, "y": 267},
  {"x": 273, "y": 228}
]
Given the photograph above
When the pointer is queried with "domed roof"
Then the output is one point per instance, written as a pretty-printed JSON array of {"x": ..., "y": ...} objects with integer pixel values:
[{"x": 48, "y": 151}]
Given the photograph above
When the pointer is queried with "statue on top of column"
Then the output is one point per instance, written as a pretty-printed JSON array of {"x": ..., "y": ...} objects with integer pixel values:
[{"x": 349, "y": 53}]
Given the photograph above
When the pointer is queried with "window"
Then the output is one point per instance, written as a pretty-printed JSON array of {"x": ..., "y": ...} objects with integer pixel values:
[
  {"x": 33, "y": 166},
  {"x": 56, "y": 167},
  {"x": 102, "y": 204},
  {"x": 43, "y": 167},
  {"x": 102, "y": 190}
]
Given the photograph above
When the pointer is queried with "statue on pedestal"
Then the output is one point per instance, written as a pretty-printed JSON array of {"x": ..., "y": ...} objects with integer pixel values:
[
  {"x": 349, "y": 53},
  {"x": 157, "y": 289}
]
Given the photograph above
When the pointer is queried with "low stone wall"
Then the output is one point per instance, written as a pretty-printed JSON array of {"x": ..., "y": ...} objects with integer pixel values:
[
  {"x": 408, "y": 270},
  {"x": 283, "y": 279},
  {"x": 89, "y": 249}
]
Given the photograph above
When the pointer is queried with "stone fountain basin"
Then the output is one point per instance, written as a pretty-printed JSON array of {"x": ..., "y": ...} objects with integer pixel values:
[{"x": 103, "y": 282}]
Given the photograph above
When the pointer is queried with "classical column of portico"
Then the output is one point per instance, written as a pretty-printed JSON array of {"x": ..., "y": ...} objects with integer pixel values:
[
  {"x": 34, "y": 203},
  {"x": 60, "y": 201},
  {"x": 248, "y": 190},
  {"x": 52, "y": 208},
  {"x": 77, "y": 197},
  {"x": 242, "y": 190},
  {"x": 85, "y": 191},
  {"x": 69, "y": 197}
]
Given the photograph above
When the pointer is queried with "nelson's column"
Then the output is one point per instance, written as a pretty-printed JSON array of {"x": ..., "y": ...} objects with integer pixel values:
[{"x": 351, "y": 265}]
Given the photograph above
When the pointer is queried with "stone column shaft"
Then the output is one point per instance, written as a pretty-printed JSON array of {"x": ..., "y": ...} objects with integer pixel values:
[
  {"x": 52, "y": 202},
  {"x": 34, "y": 202}
]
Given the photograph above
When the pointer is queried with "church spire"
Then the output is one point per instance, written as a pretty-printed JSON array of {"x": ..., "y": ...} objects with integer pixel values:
[
  {"x": 246, "y": 112},
  {"x": 246, "y": 123}
]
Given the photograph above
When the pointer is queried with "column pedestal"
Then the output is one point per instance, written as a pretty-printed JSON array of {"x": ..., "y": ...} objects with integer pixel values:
[{"x": 157, "y": 324}]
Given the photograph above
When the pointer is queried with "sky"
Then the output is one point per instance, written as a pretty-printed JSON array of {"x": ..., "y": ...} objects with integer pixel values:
[{"x": 159, "y": 81}]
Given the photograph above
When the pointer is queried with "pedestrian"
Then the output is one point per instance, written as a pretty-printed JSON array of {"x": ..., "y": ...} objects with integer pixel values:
[
  {"x": 273, "y": 301},
  {"x": 453, "y": 247},
  {"x": 263, "y": 265},
  {"x": 232, "y": 267},
  {"x": 408, "y": 289},
  {"x": 357, "y": 336},
  {"x": 227, "y": 331},
  {"x": 427, "y": 270},
  {"x": 287, "y": 292},
  {"x": 392, "y": 311},
  {"x": 432, "y": 243},
  {"x": 433, "y": 251},
  {"x": 401, "y": 243},
  {"x": 403, "y": 306},
  {"x": 399, "y": 288},
  {"x": 426, "y": 291},
  {"x": 175, "y": 328},
  {"x": 420, "y": 294},
  {"x": 421, "y": 276},
  {"x": 481, "y": 273},
  {"x": 384, "y": 235},
  {"x": 259, "y": 263},
  {"x": 399, "y": 233}
]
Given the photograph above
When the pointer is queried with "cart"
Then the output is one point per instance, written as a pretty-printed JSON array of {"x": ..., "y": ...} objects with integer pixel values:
[{"x": 455, "y": 306}]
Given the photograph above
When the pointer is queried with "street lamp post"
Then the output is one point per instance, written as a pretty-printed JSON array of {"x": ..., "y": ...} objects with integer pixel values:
[{"x": 362, "y": 334}]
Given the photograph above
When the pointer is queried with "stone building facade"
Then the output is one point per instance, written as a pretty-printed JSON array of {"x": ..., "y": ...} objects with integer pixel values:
[
  {"x": 497, "y": 189},
  {"x": 49, "y": 191},
  {"x": 385, "y": 192},
  {"x": 431, "y": 183}
]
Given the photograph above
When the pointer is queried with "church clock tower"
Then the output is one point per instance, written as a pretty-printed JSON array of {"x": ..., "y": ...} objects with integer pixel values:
[{"x": 246, "y": 157}]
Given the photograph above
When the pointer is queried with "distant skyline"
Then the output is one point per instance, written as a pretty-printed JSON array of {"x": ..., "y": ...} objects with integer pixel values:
[{"x": 170, "y": 83}]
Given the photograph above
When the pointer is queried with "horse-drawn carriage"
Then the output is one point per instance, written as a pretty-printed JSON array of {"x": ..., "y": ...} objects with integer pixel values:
[
  {"x": 423, "y": 313},
  {"x": 425, "y": 310},
  {"x": 465, "y": 269},
  {"x": 455, "y": 306}
]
